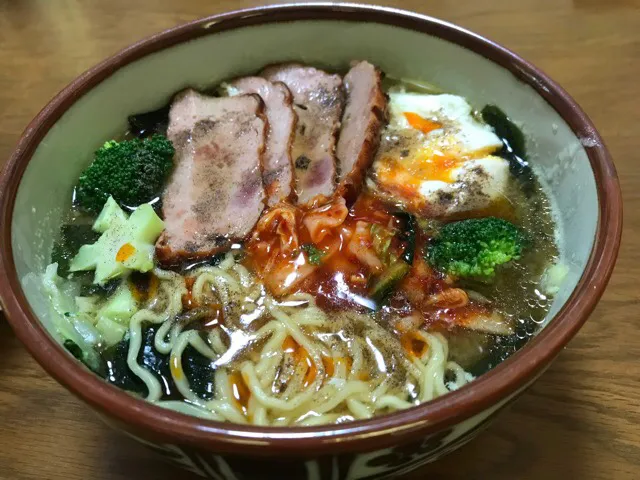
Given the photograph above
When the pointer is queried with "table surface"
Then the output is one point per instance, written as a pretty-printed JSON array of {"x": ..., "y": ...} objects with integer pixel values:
[{"x": 580, "y": 420}]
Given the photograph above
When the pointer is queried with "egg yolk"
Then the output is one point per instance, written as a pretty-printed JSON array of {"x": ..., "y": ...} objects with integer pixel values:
[
  {"x": 435, "y": 158},
  {"x": 425, "y": 166},
  {"x": 434, "y": 166},
  {"x": 420, "y": 123}
]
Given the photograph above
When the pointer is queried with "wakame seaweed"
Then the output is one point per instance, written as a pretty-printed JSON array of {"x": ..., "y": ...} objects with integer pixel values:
[
  {"x": 408, "y": 235},
  {"x": 509, "y": 132},
  {"x": 146, "y": 124},
  {"x": 105, "y": 290},
  {"x": 72, "y": 237},
  {"x": 514, "y": 147},
  {"x": 89, "y": 361},
  {"x": 117, "y": 371},
  {"x": 198, "y": 368},
  {"x": 73, "y": 348}
]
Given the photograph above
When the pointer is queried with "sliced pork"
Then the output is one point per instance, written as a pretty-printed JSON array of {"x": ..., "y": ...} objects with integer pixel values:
[
  {"x": 362, "y": 122},
  {"x": 278, "y": 177},
  {"x": 318, "y": 99},
  {"x": 215, "y": 194}
]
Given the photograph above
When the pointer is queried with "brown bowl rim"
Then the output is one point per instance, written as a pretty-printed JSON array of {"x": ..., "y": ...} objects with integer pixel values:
[{"x": 381, "y": 432}]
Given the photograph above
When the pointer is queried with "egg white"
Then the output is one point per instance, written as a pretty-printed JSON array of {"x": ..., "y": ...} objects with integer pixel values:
[
  {"x": 460, "y": 129},
  {"x": 474, "y": 183},
  {"x": 490, "y": 188}
]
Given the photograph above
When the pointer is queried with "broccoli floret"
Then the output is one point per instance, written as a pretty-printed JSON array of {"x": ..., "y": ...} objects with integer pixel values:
[
  {"x": 475, "y": 247},
  {"x": 131, "y": 171}
]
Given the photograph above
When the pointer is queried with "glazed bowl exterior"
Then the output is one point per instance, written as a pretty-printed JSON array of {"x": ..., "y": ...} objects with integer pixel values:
[{"x": 564, "y": 148}]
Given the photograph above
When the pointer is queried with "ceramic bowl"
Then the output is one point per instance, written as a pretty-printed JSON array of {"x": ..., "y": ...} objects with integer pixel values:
[{"x": 565, "y": 149}]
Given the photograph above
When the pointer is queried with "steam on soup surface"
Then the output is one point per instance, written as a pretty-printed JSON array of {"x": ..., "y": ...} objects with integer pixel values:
[{"x": 301, "y": 247}]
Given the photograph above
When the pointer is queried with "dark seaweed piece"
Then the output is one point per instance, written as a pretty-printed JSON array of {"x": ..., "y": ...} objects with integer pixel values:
[
  {"x": 198, "y": 368},
  {"x": 155, "y": 361},
  {"x": 514, "y": 145},
  {"x": 73, "y": 348},
  {"x": 147, "y": 123},
  {"x": 117, "y": 371},
  {"x": 508, "y": 132},
  {"x": 91, "y": 289},
  {"x": 501, "y": 349},
  {"x": 408, "y": 235},
  {"x": 72, "y": 237}
]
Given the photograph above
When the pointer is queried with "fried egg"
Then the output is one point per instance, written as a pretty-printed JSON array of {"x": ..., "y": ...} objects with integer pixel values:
[{"x": 436, "y": 158}]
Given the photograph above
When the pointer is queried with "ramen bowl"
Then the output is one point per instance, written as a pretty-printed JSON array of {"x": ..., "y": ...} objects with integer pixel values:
[{"x": 567, "y": 153}]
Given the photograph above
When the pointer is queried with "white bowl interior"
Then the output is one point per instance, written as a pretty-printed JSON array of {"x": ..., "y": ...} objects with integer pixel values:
[{"x": 557, "y": 155}]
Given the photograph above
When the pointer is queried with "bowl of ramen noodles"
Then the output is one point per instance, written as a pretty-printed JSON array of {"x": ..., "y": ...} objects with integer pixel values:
[{"x": 330, "y": 240}]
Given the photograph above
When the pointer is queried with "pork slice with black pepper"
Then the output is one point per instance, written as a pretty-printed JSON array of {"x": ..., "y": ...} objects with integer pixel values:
[
  {"x": 318, "y": 101},
  {"x": 215, "y": 194},
  {"x": 362, "y": 122},
  {"x": 278, "y": 176}
]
